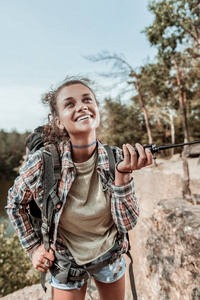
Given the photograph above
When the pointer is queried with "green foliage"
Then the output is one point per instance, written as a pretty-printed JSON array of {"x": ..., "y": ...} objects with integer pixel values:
[
  {"x": 16, "y": 269},
  {"x": 176, "y": 22},
  {"x": 122, "y": 123},
  {"x": 12, "y": 150},
  {"x": 175, "y": 32},
  {"x": 167, "y": 90},
  {"x": 158, "y": 84}
]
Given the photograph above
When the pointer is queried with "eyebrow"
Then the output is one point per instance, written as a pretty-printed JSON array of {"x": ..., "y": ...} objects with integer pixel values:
[
  {"x": 71, "y": 98},
  {"x": 87, "y": 94}
]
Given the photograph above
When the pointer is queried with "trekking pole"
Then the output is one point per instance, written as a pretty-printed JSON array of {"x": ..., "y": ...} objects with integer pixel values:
[{"x": 154, "y": 148}]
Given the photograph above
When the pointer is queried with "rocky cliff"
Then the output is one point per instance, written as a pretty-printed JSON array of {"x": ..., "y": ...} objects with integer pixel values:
[
  {"x": 173, "y": 248},
  {"x": 166, "y": 240}
]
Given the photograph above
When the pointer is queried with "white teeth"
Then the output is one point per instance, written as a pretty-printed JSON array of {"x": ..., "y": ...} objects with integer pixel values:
[{"x": 83, "y": 117}]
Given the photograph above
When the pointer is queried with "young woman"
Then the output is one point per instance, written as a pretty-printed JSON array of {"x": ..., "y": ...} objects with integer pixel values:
[{"x": 96, "y": 213}]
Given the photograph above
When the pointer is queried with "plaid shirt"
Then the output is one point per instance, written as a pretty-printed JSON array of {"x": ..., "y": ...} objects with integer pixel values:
[{"x": 28, "y": 185}]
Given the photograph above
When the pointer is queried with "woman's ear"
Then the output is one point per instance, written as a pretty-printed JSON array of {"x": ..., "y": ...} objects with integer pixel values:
[{"x": 59, "y": 124}]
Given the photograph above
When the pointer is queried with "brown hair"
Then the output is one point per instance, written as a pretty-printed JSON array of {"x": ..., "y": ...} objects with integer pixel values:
[{"x": 51, "y": 132}]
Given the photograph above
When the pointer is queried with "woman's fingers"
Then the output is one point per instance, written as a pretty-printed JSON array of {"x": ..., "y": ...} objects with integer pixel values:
[
  {"x": 132, "y": 161},
  {"x": 47, "y": 263},
  {"x": 149, "y": 157},
  {"x": 42, "y": 259},
  {"x": 142, "y": 159},
  {"x": 132, "y": 157},
  {"x": 126, "y": 153},
  {"x": 136, "y": 161},
  {"x": 44, "y": 265},
  {"x": 41, "y": 268}
]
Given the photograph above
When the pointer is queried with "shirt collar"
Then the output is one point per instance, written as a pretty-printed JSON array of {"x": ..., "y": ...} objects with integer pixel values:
[
  {"x": 66, "y": 155},
  {"x": 103, "y": 162}
]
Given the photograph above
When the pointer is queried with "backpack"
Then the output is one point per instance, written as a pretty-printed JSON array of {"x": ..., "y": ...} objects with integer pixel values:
[{"x": 43, "y": 223}]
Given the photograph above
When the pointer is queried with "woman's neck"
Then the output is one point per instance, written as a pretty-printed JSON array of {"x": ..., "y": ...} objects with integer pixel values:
[
  {"x": 81, "y": 155},
  {"x": 83, "y": 148}
]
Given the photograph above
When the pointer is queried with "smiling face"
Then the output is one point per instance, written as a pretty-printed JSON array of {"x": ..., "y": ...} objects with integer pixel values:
[{"x": 78, "y": 112}]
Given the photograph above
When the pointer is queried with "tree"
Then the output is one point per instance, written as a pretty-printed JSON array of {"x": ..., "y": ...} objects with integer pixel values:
[
  {"x": 161, "y": 102},
  {"x": 121, "y": 123},
  {"x": 194, "y": 100},
  {"x": 12, "y": 149},
  {"x": 176, "y": 34},
  {"x": 16, "y": 270},
  {"x": 122, "y": 69},
  {"x": 176, "y": 23}
]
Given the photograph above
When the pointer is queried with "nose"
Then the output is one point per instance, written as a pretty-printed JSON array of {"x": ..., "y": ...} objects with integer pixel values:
[{"x": 81, "y": 107}]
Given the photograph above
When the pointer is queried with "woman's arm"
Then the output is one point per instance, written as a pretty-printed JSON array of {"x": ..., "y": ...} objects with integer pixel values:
[
  {"x": 124, "y": 207},
  {"x": 131, "y": 163},
  {"x": 28, "y": 185}
]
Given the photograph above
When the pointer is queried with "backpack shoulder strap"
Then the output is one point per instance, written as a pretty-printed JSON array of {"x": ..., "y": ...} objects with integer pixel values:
[
  {"x": 52, "y": 150},
  {"x": 111, "y": 159},
  {"x": 51, "y": 202}
]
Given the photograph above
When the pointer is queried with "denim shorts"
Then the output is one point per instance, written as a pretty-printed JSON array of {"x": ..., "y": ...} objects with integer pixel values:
[{"x": 108, "y": 274}]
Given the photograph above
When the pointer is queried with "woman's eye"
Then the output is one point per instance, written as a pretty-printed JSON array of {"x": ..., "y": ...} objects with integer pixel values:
[
  {"x": 68, "y": 104},
  {"x": 87, "y": 100}
]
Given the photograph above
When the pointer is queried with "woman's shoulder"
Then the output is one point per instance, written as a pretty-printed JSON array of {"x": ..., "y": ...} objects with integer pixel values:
[
  {"x": 33, "y": 161},
  {"x": 31, "y": 169},
  {"x": 64, "y": 146},
  {"x": 33, "y": 156}
]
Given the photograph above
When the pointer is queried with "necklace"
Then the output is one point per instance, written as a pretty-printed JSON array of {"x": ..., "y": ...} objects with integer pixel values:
[{"x": 84, "y": 146}]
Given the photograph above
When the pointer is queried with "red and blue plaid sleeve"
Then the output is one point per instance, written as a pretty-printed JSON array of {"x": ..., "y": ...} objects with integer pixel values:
[
  {"x": 124, "y": 208},
  {"x": 26, "y": 186}
]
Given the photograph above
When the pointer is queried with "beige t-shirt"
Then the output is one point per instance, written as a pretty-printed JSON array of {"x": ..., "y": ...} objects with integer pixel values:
[{"x": 86, "y": 224}]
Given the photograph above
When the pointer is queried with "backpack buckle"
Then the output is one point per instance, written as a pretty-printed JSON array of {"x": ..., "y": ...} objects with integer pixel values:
[
  {"x": 58, "y": 206},
  {"x": 45, "y": 228},
  {"x": 56, "y": 201},
  {"x": 76, "y": 272}
]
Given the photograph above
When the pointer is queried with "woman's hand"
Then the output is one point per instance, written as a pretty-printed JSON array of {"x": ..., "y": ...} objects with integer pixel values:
[
  {"x": 42, "y": 260},
  {"x": 131, "y": 162}
]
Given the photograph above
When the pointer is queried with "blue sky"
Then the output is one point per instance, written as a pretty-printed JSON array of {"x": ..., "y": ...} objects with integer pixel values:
[{"x": 43, "y": 41}]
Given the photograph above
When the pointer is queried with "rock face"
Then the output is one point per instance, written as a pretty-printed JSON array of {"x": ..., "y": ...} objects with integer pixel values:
[
  {"x": 166, "y": 240},
  {"x": 194, "y": 151},
  {"x": 173, "y": 248}
]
